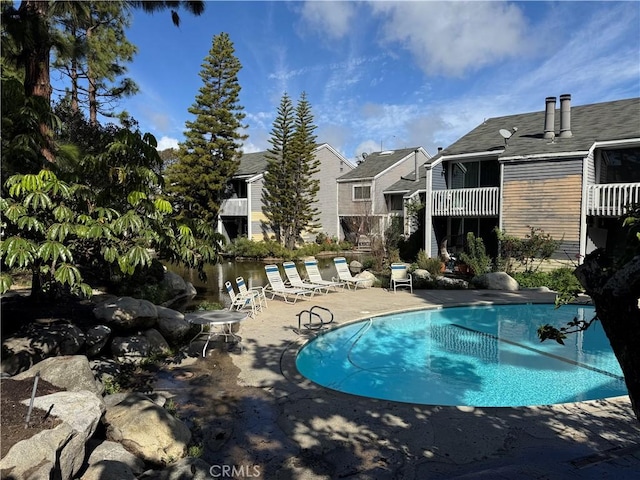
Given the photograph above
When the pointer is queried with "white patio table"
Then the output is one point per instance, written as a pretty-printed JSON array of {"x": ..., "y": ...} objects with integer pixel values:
[{"x": 219, "y": 322}]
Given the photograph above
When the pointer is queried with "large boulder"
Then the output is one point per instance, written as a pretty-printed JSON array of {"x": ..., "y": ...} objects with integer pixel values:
[
  {"x": 172, "y": 325},
  {"x": 131, "y": 349},
  {"x": 146, "y": 430},
  {"x": 369, "y": 278},
  {"x": 355, "y": 267},
  {"x": 96, "y": 339},
  {"x": 59, "y": 452},
  {"x": 71, "y": 372},
  {"x": 174, "y": 283},
  {"x": 447, "y": 283},
  {"x": 111, "y": 461},
  {"x": 37, "y": 342},
  {"x": 157, "y": 343},
  {"x": 496, "y": 281},
  {"x": 127, "y": 313}
]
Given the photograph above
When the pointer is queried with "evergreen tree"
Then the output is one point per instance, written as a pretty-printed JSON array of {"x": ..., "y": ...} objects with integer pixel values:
[
  {"x": 209, "y": 155},
  {"x": 275, "y": 199},
  {"x": 290, "y": 191},
  {"x": 28, "y": 31},
  {"x": 305, "y": 166},
  {"x": 93, "y": 57}
]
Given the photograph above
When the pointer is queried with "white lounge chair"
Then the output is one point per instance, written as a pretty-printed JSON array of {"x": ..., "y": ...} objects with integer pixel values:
[
  {"x": 238, "y": 302},
  {"x": 258, "y": 294},
  {"x": 295, "y": 280},
  {"x": 345, "y": 275},
  {"x": 400, "y": 276},
  {"x": 278, "y": 287},
  {"x": 314, "y": 275}
]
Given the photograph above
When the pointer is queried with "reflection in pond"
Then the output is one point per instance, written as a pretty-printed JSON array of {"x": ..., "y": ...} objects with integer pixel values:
[{"x": 212, "y": 290}]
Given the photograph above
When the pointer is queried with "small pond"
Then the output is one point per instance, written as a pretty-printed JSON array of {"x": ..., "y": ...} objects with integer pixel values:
[{"x": 213, "y": 290}]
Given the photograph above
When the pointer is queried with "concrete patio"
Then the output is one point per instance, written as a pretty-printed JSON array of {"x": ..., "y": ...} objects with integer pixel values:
[{"x": 288, "y": 427}]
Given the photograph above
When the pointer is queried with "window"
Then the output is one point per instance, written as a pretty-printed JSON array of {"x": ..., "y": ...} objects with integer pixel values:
[
  {"x": 362, "y": 192},
  {"x": 620, "y": 166},
  {"x": 475, "y": 174},
  {"x": 396, "y": 203}
]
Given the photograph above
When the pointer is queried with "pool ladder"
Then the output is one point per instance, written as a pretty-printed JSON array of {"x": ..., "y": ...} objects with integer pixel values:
[{"x": 314, "y": 320}]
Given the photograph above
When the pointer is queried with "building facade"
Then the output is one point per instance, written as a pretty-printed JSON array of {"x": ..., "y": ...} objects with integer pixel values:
[
  {"x": 241, "y": 212},
  {"x": 569, "y": 172}
]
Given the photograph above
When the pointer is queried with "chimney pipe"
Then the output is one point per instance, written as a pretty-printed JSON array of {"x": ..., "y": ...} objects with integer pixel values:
[
  {"x": 415, "y": 158},
  {"x": 565, "y": 116},
  {"x": 549, "y": 117}
]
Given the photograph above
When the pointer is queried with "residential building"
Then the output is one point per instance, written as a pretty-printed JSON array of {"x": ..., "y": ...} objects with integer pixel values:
[
  {"x": 241, "y": 212},
  {"x": 367, "y": 204},
  {"x": 569, "y": 171}
]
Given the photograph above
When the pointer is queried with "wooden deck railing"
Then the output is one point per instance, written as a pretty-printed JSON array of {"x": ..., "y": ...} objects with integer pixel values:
[
  {"x": 611, "y": 199},
  {"x": 477, "y": 202}
]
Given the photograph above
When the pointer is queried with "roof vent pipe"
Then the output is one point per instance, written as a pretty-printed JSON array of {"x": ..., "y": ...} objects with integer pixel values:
[
  {"x": 565, "y": 116},
  {"x": 549, "y": 117},
  {"x": 415, "y": 159}
]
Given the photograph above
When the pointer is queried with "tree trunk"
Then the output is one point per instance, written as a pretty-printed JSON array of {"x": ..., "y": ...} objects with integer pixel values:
[
  {"x": 73, "y": 74},
  {"x": 616, "y": 296},
  {"x": 93, "y": 103},
  {"x": 36, "y": 78},
  {"x": 37, "y": 81}
]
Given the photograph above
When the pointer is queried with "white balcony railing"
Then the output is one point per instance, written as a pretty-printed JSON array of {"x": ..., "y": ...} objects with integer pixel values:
[
  {"x": 477, "y": 202},
  {"x": 611, "y": 199},
  {"x": 234, "y": 207}
]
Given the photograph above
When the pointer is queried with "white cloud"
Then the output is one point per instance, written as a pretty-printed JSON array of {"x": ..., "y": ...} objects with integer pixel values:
[
  {"x": 167, "y": 142},
  {"x": 249, "y": 147},
  {"x": 454, "y": 38},
  {"x": 333, "y": 19}
]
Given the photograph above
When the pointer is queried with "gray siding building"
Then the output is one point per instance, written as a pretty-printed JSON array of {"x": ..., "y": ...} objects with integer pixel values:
[
  {"x": 241, "y": 212},
  {"x": 569, "y": 171}
]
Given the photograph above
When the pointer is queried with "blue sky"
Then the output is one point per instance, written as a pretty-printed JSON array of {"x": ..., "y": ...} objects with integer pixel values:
[{"x": 388, "y": 74}]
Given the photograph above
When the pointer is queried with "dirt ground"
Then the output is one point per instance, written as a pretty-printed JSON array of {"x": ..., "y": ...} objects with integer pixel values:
[{"x": 13, "y": 413}]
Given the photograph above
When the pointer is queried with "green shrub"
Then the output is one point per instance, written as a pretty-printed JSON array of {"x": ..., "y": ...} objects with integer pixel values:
[
  {"x": 309, "y": 250},
  {"x": 557, "y": 280},
  {"x": 243, "y": 247},
  {"x": 195, "y": 451},
  {"x": 368, "y": 262},
  {"x": 475, "y": 255},
  {"x": 205, "y": 306},
  {"x": 532, "y": 279},
  {"x": 564, "y": 278},
  {"x": 430, "y": 264},
  {"x": 530, "y": 252}
]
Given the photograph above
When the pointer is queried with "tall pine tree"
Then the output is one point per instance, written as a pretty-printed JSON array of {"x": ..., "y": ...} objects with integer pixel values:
[
  {"x": 275, "y": 199},
  {"x": 209, "y": 155},
  {"x": 290, "y": 190},
  {"x": 93, "y": 56}
]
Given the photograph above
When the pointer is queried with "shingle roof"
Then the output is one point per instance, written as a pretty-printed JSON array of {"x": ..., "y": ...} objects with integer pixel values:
[
  {"x": 616, "y": 120},
  {"x": 408, "y": 185},
  {"x": 252, "y": 164},
  {"x": 375, "y": 163}
]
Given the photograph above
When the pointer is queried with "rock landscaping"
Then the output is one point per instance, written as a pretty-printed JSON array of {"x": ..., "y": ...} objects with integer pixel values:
[{"x": 78, "y": 428}]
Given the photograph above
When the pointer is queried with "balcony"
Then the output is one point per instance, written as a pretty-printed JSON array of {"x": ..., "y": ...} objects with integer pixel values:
[
  {"x": 234, "y": 207},
  {"x": 611, "y": 199},
  {"x": 468, "y": 202}
]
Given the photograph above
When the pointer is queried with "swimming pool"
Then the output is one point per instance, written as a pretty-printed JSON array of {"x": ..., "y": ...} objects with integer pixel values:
[{"x": 485, "y": 356}]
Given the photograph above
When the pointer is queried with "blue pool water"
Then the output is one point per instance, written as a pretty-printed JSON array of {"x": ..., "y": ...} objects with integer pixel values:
[{"x": 487, "y": 356}]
